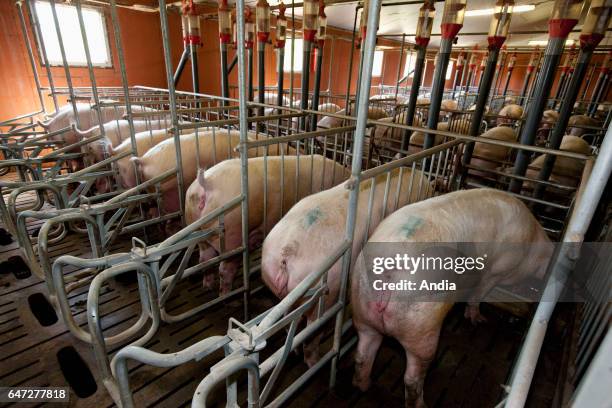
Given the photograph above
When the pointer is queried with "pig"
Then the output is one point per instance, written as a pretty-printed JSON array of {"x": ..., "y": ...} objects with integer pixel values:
[
  {"x": 116, "y": 132},
  {"x": 162, "y": 157},
  {"x": 221, "y": 183},
  {"x": 144, "y": 141},
  {"x": 423, "y": 102},
  {"x": 509, "y": 114},
  {"x": 271, "y": 99},
  {"x": 417, "y": 139},
  {"x": 385, "y": 136},
  {"x": 575, "y": 123},
  {"x": 481, "y": 215},
  {"x": 566, "y": 171},
  {"x": 549, "y": 118},
  {"x": 449, "y": 105},
  {"x": 303, "y": 240},
  {"x": 490, "y": 157}
]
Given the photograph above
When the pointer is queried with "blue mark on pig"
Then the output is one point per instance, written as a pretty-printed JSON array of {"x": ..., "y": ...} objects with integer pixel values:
[
  {"x": 312, "y": 216},
  {"x": 411, "y": 225}
]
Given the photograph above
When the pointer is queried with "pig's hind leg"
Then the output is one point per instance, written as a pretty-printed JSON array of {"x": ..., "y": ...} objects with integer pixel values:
[{"x": 367, "y": 348}]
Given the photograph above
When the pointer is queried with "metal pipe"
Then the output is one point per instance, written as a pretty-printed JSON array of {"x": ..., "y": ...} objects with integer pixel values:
[
  {"x": 588, "y": 82},
  {"x": 567, "y": 106},
  {"x": 560, "y": 85},
  {"x": 232, "y": 64},
  {"x": 437, "y": 89},
  {"x": 34, "y": 19},
  {"x": 317, "y": 84},
  {"x": 601, "y": 92},
  {"x": 536, "y": 108},
  {"x": 280, "y": 69},
  {"x": 414, "y": 93},
  {"x": 368, "y": 45},
  {"x": 249, "y": 79},
  {"x": 566, "y": 257},
  {"x": 244, "y": 173},
  {"x": 481, "y": 102},
  {"x": 458, "y": 71},
  {"x": 181, "y": 65},
  {"x": 525, "y": 84},
  {"x": 224, "y": 73},
  {"x": 399, "y": 66},
  {"x": 350, "y": 69},
  {"x": 195, "y": 76},
  {"x": 26, "y": 39},
  {"x": 261, "y": 74},
  {"x": 163, "y": 16},
  {"x": 499, "y": 68},
  {"x": 305, "y": 80}
]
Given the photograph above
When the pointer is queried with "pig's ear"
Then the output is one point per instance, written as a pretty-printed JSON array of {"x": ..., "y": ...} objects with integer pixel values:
[{"x": 44, "y": 125}]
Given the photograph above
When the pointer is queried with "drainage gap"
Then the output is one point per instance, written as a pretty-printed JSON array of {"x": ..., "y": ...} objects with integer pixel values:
[
  {"x": 17, "y": 267},
  {"x": 42, "y": 309},
  {"x": 127, "y": 278},
  {"x": 5, "y": 237},
  {"x": 76, "y": 372}
]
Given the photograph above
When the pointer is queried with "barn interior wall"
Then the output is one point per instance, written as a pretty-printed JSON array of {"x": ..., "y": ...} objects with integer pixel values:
[{"x": 143, "y": 50}]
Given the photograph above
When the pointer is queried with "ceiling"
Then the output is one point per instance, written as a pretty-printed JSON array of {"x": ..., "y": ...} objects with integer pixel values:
[{"x": 403, "y": 19}]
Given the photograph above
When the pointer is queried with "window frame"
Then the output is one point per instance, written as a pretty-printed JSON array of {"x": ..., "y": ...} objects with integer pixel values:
[
  {"x": 107, "y": 42},
  {"x": 382, "y": 63}
]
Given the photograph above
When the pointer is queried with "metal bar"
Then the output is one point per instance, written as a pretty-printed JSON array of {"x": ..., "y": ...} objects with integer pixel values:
[
  {"x": 399, "y": 66},
  {"x": 26, "y": 39},
  {"x": 481, "y": 102},
  {"x": 224, "y": 73},
  {"x": 536, "y": 108},
  {"x": 280, "y": 69},
  {"x": 305, "y": 80},
  {"x": 593, "y": 390},
  {"x": 437, "y": 90},
  {"x": 414, "y": 93},
  {"x": 34, "y": 19},
  {"x": 181, "y": 66},
  {"x": 568, "y": 254},
  {"x": 588, "y": 82},
  {"x": 261, "y": 74},
  {"x": 232, "y": 65},
  {"x": 566, "y": 109},
  {"x": 244, "y": 179},
  {"x": 350, "y": 69},
  {"x": 317, "y": 84},
  {"x": 368, "y": 46},
  {"x": 195, "y": 75},
  {"x": 249, "y": 78},
  {"x": 163, "y": 16}
]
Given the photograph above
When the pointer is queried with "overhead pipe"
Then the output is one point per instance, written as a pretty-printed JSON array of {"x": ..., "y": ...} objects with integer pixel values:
[
  {"x": 281, "y": 37},
  {"x": 424, "y": 26},
  {"x": 510, "y": 70},
  {"x": 498, "y": 32},
  {"x": 262, "y": 20},
  {"x": 458, "y": 72},
  {"x": 562, "y": 77},
  {"x": 452, "y": 21},
  {"x": 593, "y": 31},
  {"x": 565, "y": 16},
  {"x": 604, "y": 73},
  {"x": 320, "y": 43},
  {"x": 309, "y": 31},
  {"x": 225, "y": 37},
  {"x": 531, "y": 66}
]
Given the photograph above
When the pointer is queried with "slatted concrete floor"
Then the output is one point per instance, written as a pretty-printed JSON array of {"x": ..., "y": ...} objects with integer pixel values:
[{"x": 470, "y": 365}]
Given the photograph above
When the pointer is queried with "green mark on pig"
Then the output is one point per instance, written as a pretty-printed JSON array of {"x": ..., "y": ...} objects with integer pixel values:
[
  {"x": 312, "y": 216},
  {"x": 411, "y": 225}
]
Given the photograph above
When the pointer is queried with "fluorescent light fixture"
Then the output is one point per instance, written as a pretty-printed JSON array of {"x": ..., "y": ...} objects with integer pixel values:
[
  {"x": 489, "y": 11},
  {"x": 545, "y": 42}
]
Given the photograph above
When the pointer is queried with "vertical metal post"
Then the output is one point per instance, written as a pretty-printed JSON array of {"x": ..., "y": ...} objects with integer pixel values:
[
  {"x": 419, "y": 64},
  {"x": 561, "y": 267},
  {"x": 588, "y": 82},
  {"x": 26, "y": 39},
  {"x": 481, "y": 101},
  {"x": 536, "y": 108},
  {"x": 437, "y": 89},
  {"x": 350, "y": 70},
  {"x": 560, "y": 85},
  {"x": 525, "y": 83},
  {"x": 499, "y": 68},
  {"x": 124, "y": 80},
  {"x": 163, "y": 16},
  {"x": 567, "y": 106},
  {"x": 317, "y": 83},
  {"x": 261, "y": 75},
  {"x": 368, "y": 45},
  {"x": 224, "y": 73},
  {"x": 305, "y": 80},
  {"x": 399, "y": 66},
  {"x": 458, "y": 71},
  {"x": 244, "y": 179},
  {"x": 280, "y": 68},
  {"x": 250, "y": 78},
  {"x": 65, "y": 63},
  {"x": 599, "y": 91},
  {"x": 535, "y": 78},
  {"x": 195, "y": 75},
  {"x": 34, "y": 19}
]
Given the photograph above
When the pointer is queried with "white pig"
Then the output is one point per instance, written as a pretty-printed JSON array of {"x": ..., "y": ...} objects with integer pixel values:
[
  {"x": 304, "y": 239},
  {"x": 221, "y": 183},
  {"x": 479, "y": 215}
]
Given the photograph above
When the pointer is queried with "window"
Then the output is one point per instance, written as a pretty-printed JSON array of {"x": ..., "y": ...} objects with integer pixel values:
[
  {"x": 297, "y": 56},
  {"x": 67, "y": 16},
  {"x": 378, "y": 62},
  {"x": 409, "y": 65}
]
